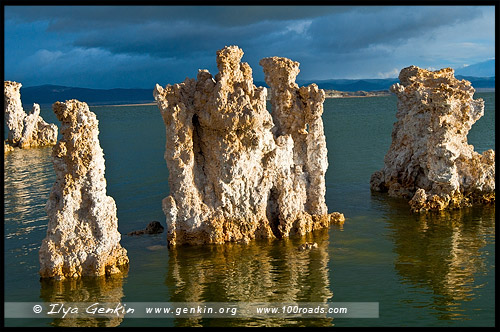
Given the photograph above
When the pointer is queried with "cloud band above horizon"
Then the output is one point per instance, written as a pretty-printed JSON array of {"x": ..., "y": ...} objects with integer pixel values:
[{"x": 136, "y": 47}]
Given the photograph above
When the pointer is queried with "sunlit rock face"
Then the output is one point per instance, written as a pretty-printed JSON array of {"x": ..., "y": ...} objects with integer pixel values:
[
  {"x": 25, "y": 130},
  {"x": 429, "y": 161},
  {"x": 82, "y": 234},
  {"x": 236, "y": 171}
]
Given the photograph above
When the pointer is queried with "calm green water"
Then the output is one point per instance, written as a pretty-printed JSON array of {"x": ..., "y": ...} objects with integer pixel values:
[{"x": 431, "y": 270}]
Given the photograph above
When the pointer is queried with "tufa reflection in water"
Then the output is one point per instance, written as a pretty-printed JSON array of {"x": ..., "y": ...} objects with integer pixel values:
[
  {"x": 27, "y": 180},
  {"x": 261, "y": 271},
  {"x": 86, "y": 289},
  {"x": 28, "y": 177},
  {"x": 443, "y": 252}
]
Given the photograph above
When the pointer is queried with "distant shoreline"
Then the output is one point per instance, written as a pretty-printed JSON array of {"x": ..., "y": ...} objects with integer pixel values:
[
  {"x": 329, "y": 94},
  {"x": 356, "y": 94},
  {"x": 116, "y": 105}
]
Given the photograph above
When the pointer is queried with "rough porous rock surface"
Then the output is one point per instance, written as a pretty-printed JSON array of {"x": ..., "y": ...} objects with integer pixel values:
[
  {"x": 236, "y": 171},
  {"x": 82, "y": 235},
  {"x": 429, "y": 161},
  {"x": 25, "y": 130}
]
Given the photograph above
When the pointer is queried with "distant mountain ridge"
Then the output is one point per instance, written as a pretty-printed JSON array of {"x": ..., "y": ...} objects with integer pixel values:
[
  {"x": 49, "y": 94},
  {"x": 480, "y": 69}
]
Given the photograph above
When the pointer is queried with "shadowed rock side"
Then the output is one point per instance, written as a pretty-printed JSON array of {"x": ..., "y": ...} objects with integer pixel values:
[
  {"x": 429, "y": 160},
  {"x": 234, "y": 175},
  {"x": 82, "y": 235},
  {"x": 25, "y": 130}
]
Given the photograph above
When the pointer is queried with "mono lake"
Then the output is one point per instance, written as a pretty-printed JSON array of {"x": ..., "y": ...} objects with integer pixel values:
[{"x": 435, "y": 269}]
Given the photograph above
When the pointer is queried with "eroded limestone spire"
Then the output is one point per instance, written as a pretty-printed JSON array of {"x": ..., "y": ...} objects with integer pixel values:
[
  {"x": 429, "y": 161},
  {"x": 82, "y": 234},
  {"x": 25, "y": 130},
  {"x": 234, "y": 174}
]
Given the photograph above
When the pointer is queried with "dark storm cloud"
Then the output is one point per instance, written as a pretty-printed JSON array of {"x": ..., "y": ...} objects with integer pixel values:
[
  {"x": 174, "y": 31},
  {"x": 352, "y": 31},
  {"x": 175, "y": 39},
  {"x": 64, "y": 18},
  {"x": 121, "y": 43}
]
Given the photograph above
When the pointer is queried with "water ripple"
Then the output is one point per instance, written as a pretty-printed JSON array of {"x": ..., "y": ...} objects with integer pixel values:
[{"x": 28, "y": 178}]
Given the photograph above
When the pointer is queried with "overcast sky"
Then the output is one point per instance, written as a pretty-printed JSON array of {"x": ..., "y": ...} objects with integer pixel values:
[{"x": 137, "y": 47}]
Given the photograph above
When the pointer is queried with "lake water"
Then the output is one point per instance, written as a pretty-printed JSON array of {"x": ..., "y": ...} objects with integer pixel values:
[{"x": 423, "y": 270}]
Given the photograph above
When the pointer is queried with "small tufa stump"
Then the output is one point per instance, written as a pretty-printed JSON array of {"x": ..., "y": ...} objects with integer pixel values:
[
  {"x": 153, "y": 227},
  {"x": 7, "y": 147},
  {"x": 307, "y": 246}
]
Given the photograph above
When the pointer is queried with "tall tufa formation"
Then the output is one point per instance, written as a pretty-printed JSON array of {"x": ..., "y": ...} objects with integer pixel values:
[
  {"x": 25, "y": 130},
  {"x": 236, "y": 171},
  {"x": 429, "y": 160},
  {"x": 82, "y": 235}
]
